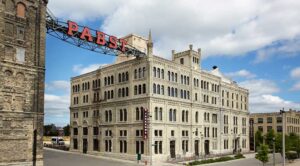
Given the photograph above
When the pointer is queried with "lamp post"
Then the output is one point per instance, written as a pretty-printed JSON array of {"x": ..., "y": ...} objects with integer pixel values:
[
  {"x": 201, "y": 144},
  {"x": 282, "y": 112}
]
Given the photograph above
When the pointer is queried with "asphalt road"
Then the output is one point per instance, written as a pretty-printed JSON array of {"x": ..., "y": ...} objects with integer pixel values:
[{"x": 62, "y": 158}]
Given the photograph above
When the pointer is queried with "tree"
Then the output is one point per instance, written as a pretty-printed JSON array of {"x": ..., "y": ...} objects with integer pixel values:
[
  {"x": 258, "y": 138},
  {"x": 278, "y": 143},
  {"x": 269, "y": 138},
  {"x": 67, "y": 130},
  {"x": 50, "y": 130},
  {"x": 262, "y": 154}
]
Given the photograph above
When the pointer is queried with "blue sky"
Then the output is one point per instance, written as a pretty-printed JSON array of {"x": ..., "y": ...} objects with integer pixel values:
[{"x": 252, "y": 42}]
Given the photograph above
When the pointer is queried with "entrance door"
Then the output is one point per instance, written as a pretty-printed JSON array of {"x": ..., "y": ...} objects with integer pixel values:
[
  {"x": 196, "y": 147},
  {"x": 172, "y": 149},
  {"x": 206, "y": 147},
  {"x": 84, "y": 145}
]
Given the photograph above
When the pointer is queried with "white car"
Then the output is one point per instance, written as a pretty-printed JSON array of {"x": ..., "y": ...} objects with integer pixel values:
[{"x": 57, "y": 141}]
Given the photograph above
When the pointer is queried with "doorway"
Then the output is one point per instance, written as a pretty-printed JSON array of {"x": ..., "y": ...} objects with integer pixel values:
[
  {"x": 172, "y": 149},
  {"x": 84, "y": 145},
  {"x": 196, "y": 147},
  {"x": 206, "y": 147}
]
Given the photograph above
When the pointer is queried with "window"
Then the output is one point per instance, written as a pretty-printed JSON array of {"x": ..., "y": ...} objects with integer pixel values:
[
  {"x": 181, "y": 61},
  {"x": 158, "y": 147},
  {"x": 85, "y": 131},
  {"x": 279, "y": 129},
  {"x": 197, "y": 117},
  {"x": 260, "y": 128},
  {"x": 123, "y": 146},
  {"x": 260, "y": 120},
  {"x": 269, "y": 128},
  {"x": 75, "y": 131},
  {"x": 279, "y": 119},
  {"x": 139, "y": 147},
  {"x": 269, "y": 120},
  {"x": 185, "y": 147},
  {"x": 21, "y": 10},
  {"x": 108, "y": 145},
  {"x": 95, "y": 131}
]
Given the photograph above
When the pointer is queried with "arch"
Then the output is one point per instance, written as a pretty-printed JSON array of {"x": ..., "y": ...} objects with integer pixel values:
[
  {"x": 20, "y": 77},
  {"x": 21, "y": 10},
  {"x": 137, "y": 113},
  {"x": 85, "y": 123}
]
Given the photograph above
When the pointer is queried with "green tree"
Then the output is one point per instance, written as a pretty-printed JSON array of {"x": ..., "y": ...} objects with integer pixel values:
[
  {"x": 50, "y": 130},
  {"x": 258, "y": 138},
  {"x": 262, "y": 154},
  {"x": 278, "y": 143},
  {"x": 67, "y": 130},
  {"x": 269, "y": 138}
]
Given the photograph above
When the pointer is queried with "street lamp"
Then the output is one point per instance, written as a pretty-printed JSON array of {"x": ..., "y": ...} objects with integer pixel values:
[
  {"x": 273, "y": 151},
  {"x": 282, "y": 112}
]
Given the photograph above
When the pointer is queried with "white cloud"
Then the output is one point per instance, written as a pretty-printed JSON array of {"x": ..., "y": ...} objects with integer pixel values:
[
  {"x": 260, "y": 86},
  {"x": 56, "y": 105},
  {"x": 58, "y": 85},
  {"x": 262, "y": 98},
  {"x": 219, "y": 27},
  {"x": 296, "y": 87},
  {"x": 241, "y": 73},
  {"x": 80, "y": 69},
  {"x": 295, "y": 73}
]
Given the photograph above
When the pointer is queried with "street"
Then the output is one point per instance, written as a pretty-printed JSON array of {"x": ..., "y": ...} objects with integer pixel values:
[{"x": 63, "y": 158}]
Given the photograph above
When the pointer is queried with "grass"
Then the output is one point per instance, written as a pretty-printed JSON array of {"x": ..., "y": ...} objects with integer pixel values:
[{"x": 220, "y": 159}]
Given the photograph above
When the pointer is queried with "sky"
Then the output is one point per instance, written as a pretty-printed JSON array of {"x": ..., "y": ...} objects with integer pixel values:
[{"x": 254, "y": 42}]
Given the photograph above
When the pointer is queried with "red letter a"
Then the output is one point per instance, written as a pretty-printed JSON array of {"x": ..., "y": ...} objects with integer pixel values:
[{"x": 86, "y": 34}]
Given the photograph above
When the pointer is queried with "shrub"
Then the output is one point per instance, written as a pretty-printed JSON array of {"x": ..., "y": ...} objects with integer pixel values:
[
  {"x": 221, "y": 159},
  {"x": 291, "y": 155},
  {"x": 239, "y": 156}
]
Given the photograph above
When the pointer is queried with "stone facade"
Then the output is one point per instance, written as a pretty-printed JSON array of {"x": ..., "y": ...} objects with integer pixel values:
[
  {"x": 22, "y": 66},
  {"x": 192, "y": 112}
]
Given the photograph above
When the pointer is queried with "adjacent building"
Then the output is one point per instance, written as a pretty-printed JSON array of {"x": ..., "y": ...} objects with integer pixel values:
[
  {"x": 274, "y": 121},
  {"x": 192, "y": 112},
  {"x": 22, "y": 73}
]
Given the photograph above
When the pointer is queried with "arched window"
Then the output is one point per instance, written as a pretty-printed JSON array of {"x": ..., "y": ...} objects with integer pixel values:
[
  {"x": 123, "y": 92},
  {"x": 142, "y": 113},
  {"x": 140, "y": 72},
  {"x": 186, "y": 116},
  {"x": 154, "y": 71},
  {"x": 21, "y": 9},
  {"x": 162, "y": 90},
  {"x": 108, "y": 80},
  {"x": 170, "y": 115},
  {"x": 197, "y": 117},
  {"x": 127, "y": 76},
  {"x": 174, "y": 115},
  {"x": 162, "y": 73},
  {"x": 120, "y": 77},
  {"x": 119, "y": 93},
  {"x": 160, "y": 114},
  {"x": 158, "y": 89},
  {"x": 121, "y": 115},
  {"x": 137, "y": 113},
  {"x": 125, "y": 114},
  {"x": 158, "y": 72},
  {"x": 144, "y": 71},
  {"x": 156, "y": 113},
  {"x": 135, "y": 74},
  {"x": 123, "y": 77},
  {"x": 172, "y": 76},
  {"x": 105, "y": 81},
  {"x": 112, "y": 79},
  {"x": 154, "y": 88},
  {"x": 182, "y": 116},
  {"x": 172, "y": 92},
  {"x": 127, "y": 91}
]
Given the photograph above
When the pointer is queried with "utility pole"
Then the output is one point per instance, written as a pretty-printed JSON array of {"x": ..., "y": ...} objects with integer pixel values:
[
  {"x": 282, "y": 112},
  {"x": 273, "y": 151}
]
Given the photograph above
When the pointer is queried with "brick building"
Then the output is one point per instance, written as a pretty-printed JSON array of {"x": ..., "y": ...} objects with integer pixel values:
[{"x": 22, "y": 57}]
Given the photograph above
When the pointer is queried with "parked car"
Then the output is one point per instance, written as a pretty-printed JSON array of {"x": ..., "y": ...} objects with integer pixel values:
[{"x": 57, "y": 141}]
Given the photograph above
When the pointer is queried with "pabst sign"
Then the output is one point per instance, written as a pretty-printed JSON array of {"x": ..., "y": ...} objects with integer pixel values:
[{"x": 98, "y": 37}]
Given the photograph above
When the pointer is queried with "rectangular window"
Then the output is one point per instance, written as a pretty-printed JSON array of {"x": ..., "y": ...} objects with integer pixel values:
[
  {"x": 269, "y": 120},
  {"x": 181, "y": 61},
  {"x": 260, "y": 120},
  {"x": 95, "y": 131},
  {"x": 85, "y": 131},
  {"x": 75, "y": 144},
  {"x": 96, "y": 145},
  {"x": 20, "y": 55}
]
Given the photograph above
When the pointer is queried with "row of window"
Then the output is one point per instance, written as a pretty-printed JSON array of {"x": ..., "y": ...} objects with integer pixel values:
[
  {"x": 109, "y": 80},
  {"x": 232, "y": 96},
  {"x": 96, "y": 83},
  {"x": 123, "y": 77},
  {"x": 158, "y": 73},
  {"x": 139, "y": 73},
  {"x": 123, "y": 92},
  {"x": 269, "y": 120}
]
